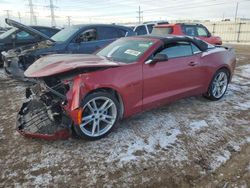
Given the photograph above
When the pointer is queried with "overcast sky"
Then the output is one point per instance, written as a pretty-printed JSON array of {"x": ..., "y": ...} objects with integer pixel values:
[{"x": 109, "y": 11}]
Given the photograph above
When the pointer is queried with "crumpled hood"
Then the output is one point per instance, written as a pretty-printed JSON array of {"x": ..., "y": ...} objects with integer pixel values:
[
  {"x": 28, "y": 29},
  {"x": 59, "y": 63}
]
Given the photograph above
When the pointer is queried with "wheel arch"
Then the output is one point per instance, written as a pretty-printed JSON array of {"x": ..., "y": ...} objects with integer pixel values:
[
  {"x": 226, "y": 69},
  {"x": 114, "y": 93}
]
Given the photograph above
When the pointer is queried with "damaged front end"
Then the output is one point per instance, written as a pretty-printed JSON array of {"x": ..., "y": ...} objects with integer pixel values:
[
  {"x": 42, "y": 115},
  {"x": 16, "y": 61}
]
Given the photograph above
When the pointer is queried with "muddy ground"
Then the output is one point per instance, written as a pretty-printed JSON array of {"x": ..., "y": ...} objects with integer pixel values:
[{"x": 190, "y": 143}]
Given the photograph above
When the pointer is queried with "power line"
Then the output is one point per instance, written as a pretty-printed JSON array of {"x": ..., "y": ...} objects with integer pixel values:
[
  {"x": 8, "y": 13},
  {"x": 19, "y": 17},
  {"x": 52, "y": 8},
  {"x": 33, "y": 20},
  {"x": 69, "y": 20},
  {"x": 139, "y": 14}
]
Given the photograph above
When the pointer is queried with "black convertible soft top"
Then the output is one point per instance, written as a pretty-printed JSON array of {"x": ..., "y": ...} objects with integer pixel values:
[{"x": 203, "y": 46}]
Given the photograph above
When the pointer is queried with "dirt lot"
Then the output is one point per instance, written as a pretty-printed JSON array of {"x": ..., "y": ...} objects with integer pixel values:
[{"x": 190, "y": 143}]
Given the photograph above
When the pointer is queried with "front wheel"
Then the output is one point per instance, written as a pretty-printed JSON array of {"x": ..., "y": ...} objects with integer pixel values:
[
  {"x": 100, "y": 114},
  {"x": 218, "y": 85}
]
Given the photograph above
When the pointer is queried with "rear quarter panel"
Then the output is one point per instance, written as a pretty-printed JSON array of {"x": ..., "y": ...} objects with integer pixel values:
[{"x": 218, "y": 58}]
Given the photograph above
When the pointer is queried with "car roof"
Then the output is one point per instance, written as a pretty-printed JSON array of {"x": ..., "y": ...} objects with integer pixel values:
[
  {"x": 165, "y": 25},
  {"x": 203, "y": 46},
  {"x": 101, "y": 25}
]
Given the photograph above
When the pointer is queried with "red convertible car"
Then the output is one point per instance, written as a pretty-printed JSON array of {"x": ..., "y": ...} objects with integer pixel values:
[{"x": 92, "y": 92}]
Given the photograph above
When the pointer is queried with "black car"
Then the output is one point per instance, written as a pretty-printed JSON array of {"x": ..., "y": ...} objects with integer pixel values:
[
  {"x": 77, "y": 39},
  {"x": 16, "y": 37}
]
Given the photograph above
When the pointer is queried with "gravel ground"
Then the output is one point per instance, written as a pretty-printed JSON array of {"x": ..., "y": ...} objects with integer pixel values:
[{"x": 190, "y": 143}]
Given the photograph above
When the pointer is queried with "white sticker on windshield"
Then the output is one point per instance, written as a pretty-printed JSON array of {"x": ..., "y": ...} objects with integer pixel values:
[{"x": 132, "y": 52}]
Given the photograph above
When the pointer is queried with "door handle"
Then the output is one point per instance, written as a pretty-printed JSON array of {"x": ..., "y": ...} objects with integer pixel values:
[{"x": 192, "y": 63}]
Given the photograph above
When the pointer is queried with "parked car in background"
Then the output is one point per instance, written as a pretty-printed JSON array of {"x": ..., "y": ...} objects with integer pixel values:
[
  {"x": 2, "y": 30},
  {"x": 147, "y": 27},
  {"x": 128, "y": 76},
  {"x": 194, "y": 30},
  {"x": 78, "y": 39},
  {"x": 19, "y": 35}
]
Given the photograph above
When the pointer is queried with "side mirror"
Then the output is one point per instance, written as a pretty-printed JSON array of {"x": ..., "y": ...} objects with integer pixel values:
[
  {"x": 157, "y": 58},
  {"x": 160, "y": 57},
  {"x": 209, "y": 34}
]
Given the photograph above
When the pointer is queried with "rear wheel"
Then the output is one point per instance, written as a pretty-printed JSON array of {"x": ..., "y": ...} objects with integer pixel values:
[
  {"x": 218, "y": 85},
  {"x": 99, "y": 116}
]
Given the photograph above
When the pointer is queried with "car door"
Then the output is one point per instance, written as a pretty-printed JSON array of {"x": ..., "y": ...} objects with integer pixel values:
[{"x": 180, "y": 76}]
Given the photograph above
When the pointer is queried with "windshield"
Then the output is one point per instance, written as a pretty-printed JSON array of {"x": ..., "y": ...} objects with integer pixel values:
[
  {"x": 162, "y": 30},
  {"x": 64, "y": 34},
  {"x": 126, "y": 50},
  {"x": 8, "y": 33}
]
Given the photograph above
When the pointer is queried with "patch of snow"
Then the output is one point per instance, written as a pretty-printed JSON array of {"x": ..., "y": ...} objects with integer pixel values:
[
  {"x": 43, "y": 179},
  {"x": 158, "y": 140},
  {"x": 197, "y": 125},
  {"x": 243, "y": 106},
  {"x": 245, "y": 71},
  {"x": 220, "y": 159}
]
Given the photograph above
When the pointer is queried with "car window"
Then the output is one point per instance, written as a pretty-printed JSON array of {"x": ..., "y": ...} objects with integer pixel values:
[
  {"x": 126, "y": 50},
  {"x": 162, "y": 30},
  {"x": 121, "y": 32},
  {"x": 110, "y": 33},
  {"x": 87, "y": 35},
  {"x": 141, "y": 30},
  {"x": 150, "y": 27},
  {"x": 175, "y": 50},
  {"x": 48, "y": 32},
  {"x": 190, "y": 30},
  {"x": 195, "y": 49},
  {"x": 23, "y": 35},
  {"x": 65, "y": 34},
  {"x": 202, "y": 32}
]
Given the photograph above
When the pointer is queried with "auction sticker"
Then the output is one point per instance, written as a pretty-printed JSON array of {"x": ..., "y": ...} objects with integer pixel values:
[{"x": 132, "y": 52}]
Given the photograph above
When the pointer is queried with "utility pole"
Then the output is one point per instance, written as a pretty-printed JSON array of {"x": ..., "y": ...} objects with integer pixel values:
[
  {"x": 69, "y": 20},
  {"x": 236, "y": 11},
  {"x": 139, "y": 14},
  {"x": 7, "y": 13},
  {"x": 52, "y": 13},
  {"x": 19, "y": 17},
  {"x": 32, "y": 13}
]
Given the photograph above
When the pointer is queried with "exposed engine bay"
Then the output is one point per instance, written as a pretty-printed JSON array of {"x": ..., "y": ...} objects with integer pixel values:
[{"x": 42, "y": 115}]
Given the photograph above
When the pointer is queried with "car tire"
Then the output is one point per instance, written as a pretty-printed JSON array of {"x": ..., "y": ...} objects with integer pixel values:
[
  {"x": 218, "y": 85},
  {"x": 99, "y": 117}
]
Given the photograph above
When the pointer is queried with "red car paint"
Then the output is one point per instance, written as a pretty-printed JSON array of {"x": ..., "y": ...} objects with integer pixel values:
[
  {"x": 140, "y": 86},
  {"x": 59, "y": 135},
  {"x": 177, "y": 29}
]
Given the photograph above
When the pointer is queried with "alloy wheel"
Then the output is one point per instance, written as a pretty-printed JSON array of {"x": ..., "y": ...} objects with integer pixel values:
[
  {"x": 220, "y": 83},
  {"x": 99, "y": 116}
]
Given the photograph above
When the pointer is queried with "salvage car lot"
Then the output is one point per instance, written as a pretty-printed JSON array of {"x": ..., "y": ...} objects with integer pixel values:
[{"x": 192, "y": 142}]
